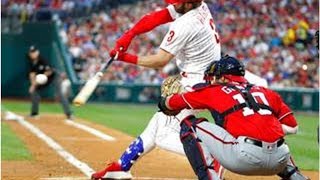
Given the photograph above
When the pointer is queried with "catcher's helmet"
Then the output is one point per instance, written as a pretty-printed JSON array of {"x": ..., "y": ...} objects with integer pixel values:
[
  {"x": 180, "y": 1},
  {"x": 228, "y": 67}
]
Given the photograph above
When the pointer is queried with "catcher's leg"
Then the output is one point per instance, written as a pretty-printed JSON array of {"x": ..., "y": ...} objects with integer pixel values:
[
  {"x": 197, "y": 153},
  {"x": 168, "y": 137},
  {"x": 291, "y": 172}
]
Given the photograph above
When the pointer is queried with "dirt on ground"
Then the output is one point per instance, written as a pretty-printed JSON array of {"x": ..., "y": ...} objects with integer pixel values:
[{"x": 47, "y": 164}]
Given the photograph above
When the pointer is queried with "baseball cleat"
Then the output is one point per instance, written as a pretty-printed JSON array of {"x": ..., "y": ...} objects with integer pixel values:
[{"x": 112, "y": 171}]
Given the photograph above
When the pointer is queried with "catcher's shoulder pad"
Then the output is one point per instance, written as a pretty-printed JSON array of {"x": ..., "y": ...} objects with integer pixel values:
[{"x": 200, "y": 86}]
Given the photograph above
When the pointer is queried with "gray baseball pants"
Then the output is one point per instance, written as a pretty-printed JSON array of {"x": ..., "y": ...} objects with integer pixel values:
[{"x": 240, "y": 155}]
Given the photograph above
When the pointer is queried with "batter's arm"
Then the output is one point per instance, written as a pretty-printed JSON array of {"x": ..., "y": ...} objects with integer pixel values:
[
  {"x": 145, "y": 24},
  {"x": 151, "y": 21},
  {"x": 158, "y": 60}
]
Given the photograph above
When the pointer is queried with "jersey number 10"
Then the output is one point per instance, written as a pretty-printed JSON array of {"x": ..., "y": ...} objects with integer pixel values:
[{"x": 246, "y": 110}]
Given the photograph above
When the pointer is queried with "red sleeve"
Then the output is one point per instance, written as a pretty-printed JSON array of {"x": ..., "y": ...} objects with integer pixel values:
[
  {"x": 176, "y": 102},
  {"x": 152, "y": 20},
  {"x": 283, "y": 112},
  {"x": 193, "y": 100}
]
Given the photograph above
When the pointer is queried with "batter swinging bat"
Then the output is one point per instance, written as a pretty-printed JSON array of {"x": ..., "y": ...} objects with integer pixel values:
[{"x": 91, "y": 85}]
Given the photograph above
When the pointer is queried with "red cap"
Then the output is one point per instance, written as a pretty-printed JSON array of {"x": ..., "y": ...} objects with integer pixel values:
[{"x": 234, "y": 78}]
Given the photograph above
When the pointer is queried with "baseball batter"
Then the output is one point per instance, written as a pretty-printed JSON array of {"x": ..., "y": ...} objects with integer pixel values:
[
  {"x": 193, "y": 40},
  {"x": 247, "y": 137}
]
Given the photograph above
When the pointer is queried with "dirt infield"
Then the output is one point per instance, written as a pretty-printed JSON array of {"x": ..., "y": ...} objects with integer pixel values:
[{"x": 95, "y": 152}]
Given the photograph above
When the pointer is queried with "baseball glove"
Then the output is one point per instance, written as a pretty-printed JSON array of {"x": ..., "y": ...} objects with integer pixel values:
[{"x": 171, "y": 85}]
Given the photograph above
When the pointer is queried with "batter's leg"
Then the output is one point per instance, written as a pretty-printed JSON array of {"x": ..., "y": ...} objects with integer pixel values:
[
  {"x": 291, "y": 172},
  {"x": 35, "y": 98},
  {"x": 168, "y": 132},
  {"x": 142, "y": 145}
]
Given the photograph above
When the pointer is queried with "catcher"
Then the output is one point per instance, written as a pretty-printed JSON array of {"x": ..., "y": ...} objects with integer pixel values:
[{"x": 248, "y": 137}]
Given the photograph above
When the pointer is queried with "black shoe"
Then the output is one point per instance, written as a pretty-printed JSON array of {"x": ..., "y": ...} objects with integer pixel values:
[
  {"x": 70, "y": 117},
  {"x": 34, "y": 116}
]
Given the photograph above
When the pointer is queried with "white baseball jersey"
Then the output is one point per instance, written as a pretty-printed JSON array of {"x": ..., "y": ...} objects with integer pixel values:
[{"x": 193, "y": 39}]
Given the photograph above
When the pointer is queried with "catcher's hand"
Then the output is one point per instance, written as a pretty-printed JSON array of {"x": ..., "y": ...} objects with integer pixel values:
[
  {"x": 163, "y": 108},
  {"x": 171, "y": 85}
]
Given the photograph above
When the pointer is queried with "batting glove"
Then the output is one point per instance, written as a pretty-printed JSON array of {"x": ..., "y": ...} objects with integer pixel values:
[
  {"x": 124, "y": 41},
  {"x": 123, "y": 56}
]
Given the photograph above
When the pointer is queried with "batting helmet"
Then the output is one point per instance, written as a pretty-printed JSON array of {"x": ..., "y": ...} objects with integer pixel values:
[
  {"x": 181, "y": 1},
  {"x": 228, "y": 67}
]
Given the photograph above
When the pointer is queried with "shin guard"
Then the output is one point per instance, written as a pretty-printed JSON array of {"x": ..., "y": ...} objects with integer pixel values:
[
  {"x": 291, "y": 172},
  {"x": 196, "y": 152}
]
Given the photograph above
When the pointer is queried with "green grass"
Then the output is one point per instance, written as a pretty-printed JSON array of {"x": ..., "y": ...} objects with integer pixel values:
[
  {"x": 304, "y": 145},
  {"x": 12, "y": 148},
  {"x": 132, "y": 119}
]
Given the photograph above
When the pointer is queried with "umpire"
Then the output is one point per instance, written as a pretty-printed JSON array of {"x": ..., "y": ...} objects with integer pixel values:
[{"x": 38, "y": 65}]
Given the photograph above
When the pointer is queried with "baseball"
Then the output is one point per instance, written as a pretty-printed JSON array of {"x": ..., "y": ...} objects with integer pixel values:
[{"x": 41, "y": 79}]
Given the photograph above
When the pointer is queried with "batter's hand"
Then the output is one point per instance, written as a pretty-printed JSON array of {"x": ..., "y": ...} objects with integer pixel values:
[
  {"x": 124, "y": 41},
  {"x": 123, "y": 56}
]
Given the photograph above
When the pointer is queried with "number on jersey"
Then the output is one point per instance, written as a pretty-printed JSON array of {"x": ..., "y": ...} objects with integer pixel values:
[
  {"x": 216, "y": 35},
  {"x": 246, "y": 110}
]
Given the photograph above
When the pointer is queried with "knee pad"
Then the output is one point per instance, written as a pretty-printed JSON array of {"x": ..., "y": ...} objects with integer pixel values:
[
  {"x": 188, "y": 125},
  {"x": 199, "y": 158}
]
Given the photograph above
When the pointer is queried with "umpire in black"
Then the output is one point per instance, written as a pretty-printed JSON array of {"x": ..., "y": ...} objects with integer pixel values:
[{"x": 38, "y": 65}]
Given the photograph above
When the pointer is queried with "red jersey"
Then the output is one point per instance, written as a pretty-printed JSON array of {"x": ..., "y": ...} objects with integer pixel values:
[{"x": 263, "y": 124}]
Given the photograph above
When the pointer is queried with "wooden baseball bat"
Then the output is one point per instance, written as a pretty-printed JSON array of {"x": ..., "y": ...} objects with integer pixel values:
[{"x": 86, "y": 91}]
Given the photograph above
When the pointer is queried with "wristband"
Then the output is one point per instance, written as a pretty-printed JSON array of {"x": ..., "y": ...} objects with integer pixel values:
[{"x": 129, "y": 58}]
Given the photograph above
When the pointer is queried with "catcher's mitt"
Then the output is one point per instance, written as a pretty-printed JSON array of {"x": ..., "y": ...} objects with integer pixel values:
[{"x": 171, "y": 85}]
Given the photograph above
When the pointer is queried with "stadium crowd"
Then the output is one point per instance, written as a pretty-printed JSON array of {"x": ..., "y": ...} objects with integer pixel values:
[
  {"x": 90, "y": 40},
  {"x": 274, "y": 38}
]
